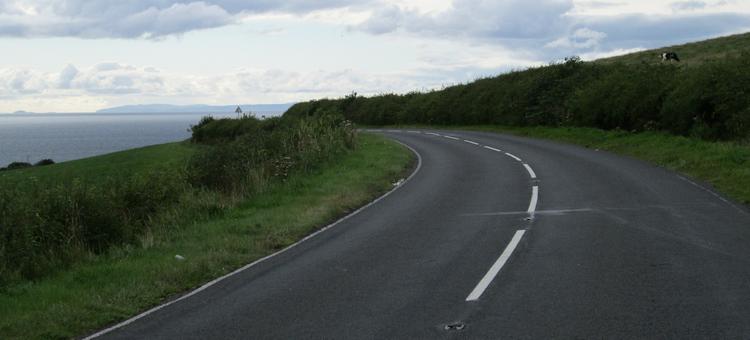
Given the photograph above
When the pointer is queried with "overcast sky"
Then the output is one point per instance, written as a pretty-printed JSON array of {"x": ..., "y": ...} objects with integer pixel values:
[{"x": 83, "y": 55}]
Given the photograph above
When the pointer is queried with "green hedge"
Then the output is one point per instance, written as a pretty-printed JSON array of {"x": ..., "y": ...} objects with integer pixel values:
[{"x": 708, "y": 100}]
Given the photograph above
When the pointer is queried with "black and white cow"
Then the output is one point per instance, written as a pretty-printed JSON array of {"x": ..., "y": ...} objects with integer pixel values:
[{"x": 667, "y": 56}]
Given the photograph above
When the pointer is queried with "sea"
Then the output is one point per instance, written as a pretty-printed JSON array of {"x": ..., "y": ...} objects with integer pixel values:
[{"x": 31, "y": 137}]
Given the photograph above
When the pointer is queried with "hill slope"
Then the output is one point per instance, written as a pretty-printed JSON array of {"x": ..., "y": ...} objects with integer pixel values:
[{"x": 691, "y": 53}]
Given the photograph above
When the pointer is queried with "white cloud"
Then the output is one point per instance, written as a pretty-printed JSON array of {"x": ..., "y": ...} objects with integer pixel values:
[
  {"x": 478, "y": 19},
  {"x": 690, "y": 5},
  {"x": 551, "y": 29},
  {"x": 67, "y": 75},
  {"x": 582, "y": 38},
  {"x": 139, "y": 18}
]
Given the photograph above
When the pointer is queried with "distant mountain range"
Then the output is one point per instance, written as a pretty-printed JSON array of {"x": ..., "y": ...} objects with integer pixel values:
[{"x": 167, "y": 108}]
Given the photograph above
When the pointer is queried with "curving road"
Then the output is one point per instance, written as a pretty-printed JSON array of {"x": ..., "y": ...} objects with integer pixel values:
[{"x": 495, "y": 236}]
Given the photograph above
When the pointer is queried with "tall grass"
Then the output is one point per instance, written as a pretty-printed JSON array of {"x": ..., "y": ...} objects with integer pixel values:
[{"x": 45, "y": 226}]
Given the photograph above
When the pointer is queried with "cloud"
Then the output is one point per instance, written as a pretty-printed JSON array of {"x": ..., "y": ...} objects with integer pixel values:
[
  {"x": 688, "y": 5},
  {"x": 66, "y": 76},
  {"x": 479, "y": 19},
  {"x": 657, "y": 30},
  {"x": 139, "y": 18},
  {"x": 104, "y": 78},
  {"x": 551, "y": 29},
  {"x": 582, "y": 38}
]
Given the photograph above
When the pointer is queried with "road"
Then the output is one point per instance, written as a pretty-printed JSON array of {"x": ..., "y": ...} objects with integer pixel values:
[{"x": 496, "y": 236}]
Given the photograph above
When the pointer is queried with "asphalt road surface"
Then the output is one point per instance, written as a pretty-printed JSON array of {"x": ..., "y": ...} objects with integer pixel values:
[{"x": 495, "y": 237}]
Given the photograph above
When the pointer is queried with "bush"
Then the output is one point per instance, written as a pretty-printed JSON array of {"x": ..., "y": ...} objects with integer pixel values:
[
  {"x": 44, "y": 162},
  {"x": 18, "y": 165},
  {"x": 213, "y": 131},
  {"x": 271, "y": 148}
]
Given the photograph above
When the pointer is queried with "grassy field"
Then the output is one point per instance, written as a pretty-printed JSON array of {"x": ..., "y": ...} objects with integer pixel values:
[
  {"x": 118, "y": 164},
  {"x": 129, "y": 279},
  {"x": 723, "y": 165},
  {"x": 692, "y": 53}
]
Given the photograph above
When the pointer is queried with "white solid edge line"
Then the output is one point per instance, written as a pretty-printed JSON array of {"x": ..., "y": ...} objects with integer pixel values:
[
  {"x": 451, "y": 137},
  {"x": 530, "y": 170},
  {"x": 495, "y": 269},
  {"x": 471, "y": 142},
  {"x": 256, "y": 262},
  {"x": 493, "y": 149},
  {"x": 728, "y": 202},
  {"x": 513, "y": 156},
  {"x": 534, "y": 199}
]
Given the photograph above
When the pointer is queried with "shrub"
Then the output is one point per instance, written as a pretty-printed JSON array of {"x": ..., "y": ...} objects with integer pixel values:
[
  {"x": 18, "y": 165},
  {"x": 213, "y": 131},
  {"x": 44, "y": 162},
  {"x": 272, "y": 148}
]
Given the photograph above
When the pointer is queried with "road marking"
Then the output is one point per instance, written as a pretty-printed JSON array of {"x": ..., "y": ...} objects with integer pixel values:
[
  {"x": 432, "y": 133},
  {"x": 492, "y": 273},
  {"x": 451, "y": 137},
  {"x": 261, "y": 260},
  {"x": 411, "y": 131},
  {"x": 538, "y": 212},
  {"x": 471, "y": 142},
  {"x": 534, "y": 199},
  {"x": 493, "y": 149},
  {"x": 530, "y": 170},
  {"x": 513, "y": 156},
  {"x": 713, "y": 194}
]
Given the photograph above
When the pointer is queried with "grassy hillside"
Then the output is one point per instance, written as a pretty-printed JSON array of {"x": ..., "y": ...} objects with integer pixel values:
[
  {"x": 692, "y": 53},
  {"x": 114, "y": 165}
]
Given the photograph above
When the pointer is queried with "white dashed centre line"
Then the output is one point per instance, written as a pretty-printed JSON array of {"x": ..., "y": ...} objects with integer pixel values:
[
  {"x": 534, "y": 199},
  {"x": 530, "y": 170},
  {"x": 492, "y": 273},
  {"x": 513, "y": 156},
  {"x": 503, "y": 259}
]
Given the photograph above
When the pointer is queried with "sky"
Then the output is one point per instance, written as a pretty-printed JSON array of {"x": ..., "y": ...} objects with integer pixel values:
[{"x": 85, "y": 55}]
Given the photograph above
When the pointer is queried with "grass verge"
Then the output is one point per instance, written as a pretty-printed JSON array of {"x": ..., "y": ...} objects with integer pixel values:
[
  {"x": 109, "y": 288},
  {"x": 723, "y": 165}
]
